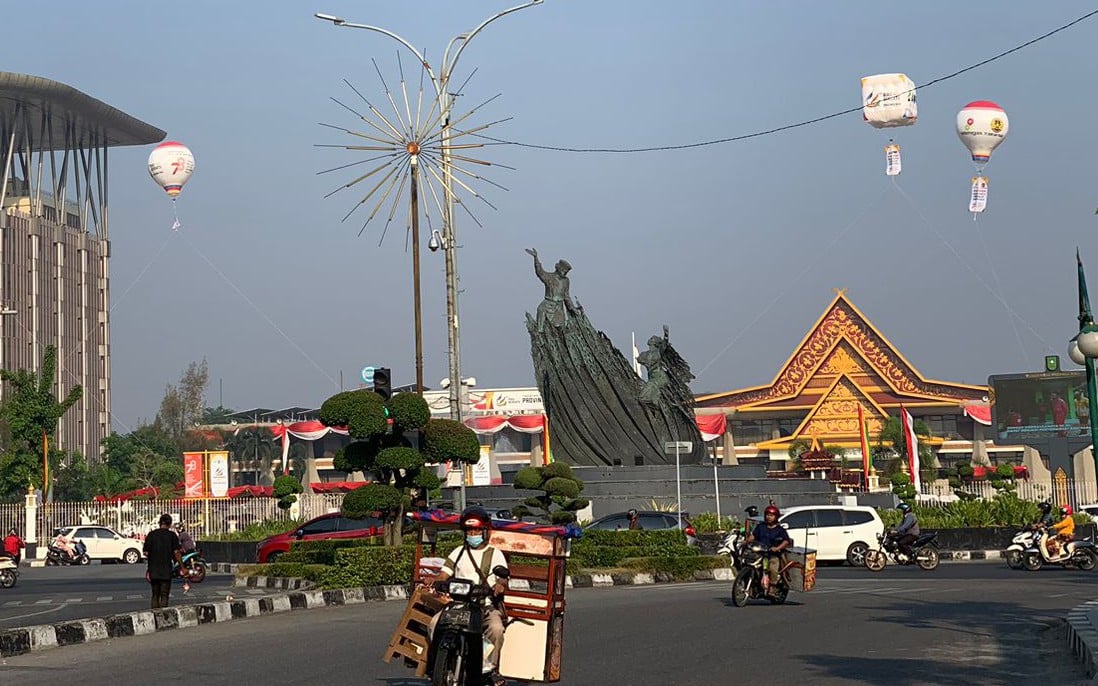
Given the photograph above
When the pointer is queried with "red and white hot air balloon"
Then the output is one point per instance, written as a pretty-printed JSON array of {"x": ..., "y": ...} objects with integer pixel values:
[
  {"x": 982, "y": 126},
  {"x": 171, "y": 165}
]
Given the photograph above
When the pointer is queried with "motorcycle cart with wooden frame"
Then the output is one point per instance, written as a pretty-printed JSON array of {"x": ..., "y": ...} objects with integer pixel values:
[
  {"x": 799, "y": 566},
  {"x": 534, "y": 602}
]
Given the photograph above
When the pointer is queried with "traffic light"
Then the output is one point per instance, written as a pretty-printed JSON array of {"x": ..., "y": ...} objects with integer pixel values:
[{"x": 383, "y": 383}]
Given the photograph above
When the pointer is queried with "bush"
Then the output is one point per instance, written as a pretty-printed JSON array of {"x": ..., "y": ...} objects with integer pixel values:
[
  {"x": 368, "y": 500},
  {"x": 1006, "y": 509},
  {"x": 681, "y": 568},
  {"x": 609, "y": 548},
  {"x": 707, "y": 523},
  {"x": 287, "y": 570},
  {"x": 371, "y": 566},
  {"x": 409, "y": 411},
  {"x": 257, "y": 531},
  {"x": 445, "y": 440},
  {"x": 324, "y": 552}
]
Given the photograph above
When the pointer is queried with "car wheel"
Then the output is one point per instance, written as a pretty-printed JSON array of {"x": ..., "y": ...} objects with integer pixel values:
[
  {"x": 132, "y": 556},
  {"x": 855, "y": 554}
]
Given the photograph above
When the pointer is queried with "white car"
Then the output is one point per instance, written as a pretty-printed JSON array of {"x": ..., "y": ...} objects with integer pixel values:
[
  {"x": 835, "y": 532},
  {"x": 104, "y": 543},
  {"x": 1091, "y": 509}
]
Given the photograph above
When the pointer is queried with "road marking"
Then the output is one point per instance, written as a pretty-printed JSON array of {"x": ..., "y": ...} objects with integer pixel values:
[
  {"x": 134, "y": 597},
  {"x": 74, "y": 600},
  {"x": 13, "y": 603},
  {"x": 101, "y": 598},
  {"x": 47, "y": 601},
  {"x": 35, "y": 614}
]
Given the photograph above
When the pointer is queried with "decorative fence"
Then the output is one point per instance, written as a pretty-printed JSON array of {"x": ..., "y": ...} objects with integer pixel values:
[
  {"x": 1064, "y": 491},
  {"x": 202, "y": 517}
]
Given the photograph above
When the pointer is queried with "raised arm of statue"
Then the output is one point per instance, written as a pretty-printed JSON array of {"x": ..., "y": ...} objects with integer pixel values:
[{"x": 537, "y": 263}]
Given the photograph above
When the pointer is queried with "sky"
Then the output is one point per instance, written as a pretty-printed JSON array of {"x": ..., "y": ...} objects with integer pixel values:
[{"x": 737, "y": 246}]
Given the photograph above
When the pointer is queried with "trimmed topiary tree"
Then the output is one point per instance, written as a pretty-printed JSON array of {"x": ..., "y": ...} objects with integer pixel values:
[
  {"x": 903, "y": 488},
  {"x": 286, "y": 489},
  {"x": 386, "y": 451},
  {"x": 559, "y": 487}
]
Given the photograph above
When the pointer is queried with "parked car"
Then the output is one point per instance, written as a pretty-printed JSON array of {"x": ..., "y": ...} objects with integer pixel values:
[
  {"x": 835, "y": 532},
  {"x": 322, "y": 528},
  {"x": 105, "y": 544},
  {"x": 649, "y": 521},
  {"x": 1091, "y": 510}
]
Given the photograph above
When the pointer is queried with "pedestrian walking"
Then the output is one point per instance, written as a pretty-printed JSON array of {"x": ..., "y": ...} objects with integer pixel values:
[{"x": 162, "y": 547}]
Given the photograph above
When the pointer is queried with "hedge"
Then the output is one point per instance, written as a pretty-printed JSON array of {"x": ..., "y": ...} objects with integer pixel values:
[
  {"x": 609, "y": 548},
  {"x": 681, "y": 568},
  {"x": 323, "y": 552},
  {"x": 370, "y": 566}
]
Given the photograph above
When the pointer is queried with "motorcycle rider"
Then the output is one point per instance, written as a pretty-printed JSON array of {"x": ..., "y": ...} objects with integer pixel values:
[
  {"x": 65, "y": 544},
  {"x": 776, "y": 539},
  {"x": 1047, "y": 518},
  {"x": 186, "y": 541},
  {"x": 13, "y": 546},
  {"x": 1064, "y": 529},
  {"x": 475, "y": 559},
  {"x": 906, "y": 533}
]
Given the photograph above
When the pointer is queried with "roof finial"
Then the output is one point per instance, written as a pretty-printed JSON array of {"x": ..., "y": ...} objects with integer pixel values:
[{"x": 839, "y": 291}]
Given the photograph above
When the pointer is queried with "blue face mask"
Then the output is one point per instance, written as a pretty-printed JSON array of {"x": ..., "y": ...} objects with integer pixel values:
[{"x": 474, "y": 541}]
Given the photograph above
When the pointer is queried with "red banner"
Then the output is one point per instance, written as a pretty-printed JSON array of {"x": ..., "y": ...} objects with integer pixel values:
[{"x": 194, "y": 482}]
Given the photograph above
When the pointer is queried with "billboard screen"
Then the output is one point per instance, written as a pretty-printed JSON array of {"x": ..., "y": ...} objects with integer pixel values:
[{"x": 1040, "y": 406}]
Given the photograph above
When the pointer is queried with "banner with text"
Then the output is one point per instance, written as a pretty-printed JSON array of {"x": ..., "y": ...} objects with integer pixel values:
[
  {"x": 219, "y": 474},
  {"x": 194, "y": 483}
]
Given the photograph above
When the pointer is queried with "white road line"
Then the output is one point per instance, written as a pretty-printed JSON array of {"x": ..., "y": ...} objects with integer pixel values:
[
  {"x": 47, "y": 601},
  {"x": 101, "y": 598},
  {"x": 13, "y": 603},
  {"x": 35, "y": 614},
  {"x": 74, "y": 600},
  {"x": 134, "y": 597}
]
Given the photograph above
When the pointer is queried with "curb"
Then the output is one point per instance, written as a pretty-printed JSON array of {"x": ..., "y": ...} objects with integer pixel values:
[{"x": 1082, "y": 637}]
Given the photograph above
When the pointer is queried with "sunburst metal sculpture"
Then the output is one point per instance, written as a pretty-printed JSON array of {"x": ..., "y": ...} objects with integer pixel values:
[{"x": 414, "y": 145}]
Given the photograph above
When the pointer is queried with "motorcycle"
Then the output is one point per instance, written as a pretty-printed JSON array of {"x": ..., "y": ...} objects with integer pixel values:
[
  {"x": 57, "y": 557},
  {"x": 458, "y": 653},
  {"x": 193, "y": 569},
  {"x": 1079, "y": 554},
  {"x": 9, "y": 572},
  {"x": 1016, "y": 552},
  {"x": 925, "y": 549},
  {"x": 732, "y": 546},
  {"x": 748, "y": 582}
]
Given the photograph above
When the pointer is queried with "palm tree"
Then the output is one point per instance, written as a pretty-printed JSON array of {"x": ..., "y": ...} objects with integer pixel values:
[{"x": 253, "y": 448}]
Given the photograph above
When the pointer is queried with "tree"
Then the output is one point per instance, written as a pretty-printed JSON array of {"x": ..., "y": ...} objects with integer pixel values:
[
  {"x": 390, "y": 453},
  {"x": 286, "y": 489},
  {"x": 892, "y": 446},
  {"x": 184, "y": 405},
  {"x": 217, "y": 415},
  {"x": 30, "y": 410},
  {"x": 120, "y": 450},
  {"x": 253, "y": 448},
  {"x": 72, "y": 481},
  {"x": 558, "y": 486}
]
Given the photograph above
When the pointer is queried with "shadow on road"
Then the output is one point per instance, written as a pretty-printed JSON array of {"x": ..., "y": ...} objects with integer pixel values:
[{"x": 991, "y": 642}]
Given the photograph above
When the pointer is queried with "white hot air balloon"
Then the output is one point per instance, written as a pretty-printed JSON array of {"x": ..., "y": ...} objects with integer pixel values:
[
  {"x": 171, "y": 165},
  {"x": 982, "y": 126},
  {"x": 888, "y": 101}
]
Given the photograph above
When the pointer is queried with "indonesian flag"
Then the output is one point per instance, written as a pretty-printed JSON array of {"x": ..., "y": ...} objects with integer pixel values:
[{"x": 912, "y": 442}]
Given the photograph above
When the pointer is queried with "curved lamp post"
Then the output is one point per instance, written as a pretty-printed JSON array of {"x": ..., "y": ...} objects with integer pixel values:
[
  {"x": 1083, "y": 350},
  {"x": 440, "y": 80}
]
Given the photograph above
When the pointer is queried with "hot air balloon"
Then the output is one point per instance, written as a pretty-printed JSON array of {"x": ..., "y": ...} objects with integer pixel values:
[
  {"x": 171, "y": 165},
  {"x": 982, "y": 126},
  {"x": 888, "y": 101}
]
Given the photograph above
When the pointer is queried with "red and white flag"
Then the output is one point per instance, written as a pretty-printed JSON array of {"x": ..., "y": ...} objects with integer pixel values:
[{"x": 912, "y": 443}]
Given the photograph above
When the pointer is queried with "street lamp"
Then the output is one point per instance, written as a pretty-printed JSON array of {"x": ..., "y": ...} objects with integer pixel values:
[
  {"x": 1083, "y": 350},
  {"x": 447, "y": 240}
]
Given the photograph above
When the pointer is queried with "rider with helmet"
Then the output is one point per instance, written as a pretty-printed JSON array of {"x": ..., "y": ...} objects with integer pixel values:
[
  {"x": 775, "y": 539},
  {"x": 1065, "y": 533},
  {"x": 1047, "y": 518},
  {"x": 906, "y": 533},
  {"x": 475, "y": 560}
]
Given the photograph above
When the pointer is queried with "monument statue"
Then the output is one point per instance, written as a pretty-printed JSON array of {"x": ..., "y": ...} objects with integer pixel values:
[{"x": 600, "y": 412}]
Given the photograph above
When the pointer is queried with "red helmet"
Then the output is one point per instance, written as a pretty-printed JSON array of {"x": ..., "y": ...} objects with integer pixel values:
[
  {"x": 1065, "y": 510},
  {"x": 475, "y": 517},
  {"x": 772, "y": 509}
]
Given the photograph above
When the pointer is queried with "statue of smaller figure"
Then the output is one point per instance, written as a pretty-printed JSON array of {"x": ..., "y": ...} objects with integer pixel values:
[
  {"x": 668, "y": 374},
  {"x": 557, "y": 305}
]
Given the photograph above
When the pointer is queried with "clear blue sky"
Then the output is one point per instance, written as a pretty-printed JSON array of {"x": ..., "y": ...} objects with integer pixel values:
[{"x": 735, "y": 246}]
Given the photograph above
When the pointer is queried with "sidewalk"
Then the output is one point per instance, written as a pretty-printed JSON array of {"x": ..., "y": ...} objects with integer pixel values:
[{"x": 1082, "y": 635}]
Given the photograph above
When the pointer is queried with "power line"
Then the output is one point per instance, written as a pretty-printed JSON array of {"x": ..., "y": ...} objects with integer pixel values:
[{"x": 799, "y": 124}]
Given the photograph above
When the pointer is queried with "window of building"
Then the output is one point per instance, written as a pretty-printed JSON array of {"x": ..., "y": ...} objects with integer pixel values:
[
  {"x": 942, "y": 425},
  {"x": 508, "y": 440}
]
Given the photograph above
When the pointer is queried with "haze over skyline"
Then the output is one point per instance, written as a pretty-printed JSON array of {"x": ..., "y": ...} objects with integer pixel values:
[{"x": 736, "y": 246}]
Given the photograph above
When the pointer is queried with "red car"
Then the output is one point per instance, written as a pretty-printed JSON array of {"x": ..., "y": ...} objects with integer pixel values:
[{"x": 322, "y": 528}]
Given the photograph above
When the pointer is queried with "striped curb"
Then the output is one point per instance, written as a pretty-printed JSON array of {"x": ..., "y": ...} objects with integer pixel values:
[{"x": 1082, "y": 637}]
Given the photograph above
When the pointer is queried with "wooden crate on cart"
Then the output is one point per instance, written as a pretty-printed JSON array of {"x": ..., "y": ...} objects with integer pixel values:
[{"x": 801, "y": 569}]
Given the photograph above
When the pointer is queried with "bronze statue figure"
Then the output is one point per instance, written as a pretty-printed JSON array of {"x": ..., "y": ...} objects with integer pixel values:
[
  {"x": 557, "y": 305},
  {"x": 600, "y": 411}
]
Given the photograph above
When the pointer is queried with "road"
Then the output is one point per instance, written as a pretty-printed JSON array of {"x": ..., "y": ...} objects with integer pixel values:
[
  {"x": 976, "y": 623},
  {"x": 47, "y": 595}
]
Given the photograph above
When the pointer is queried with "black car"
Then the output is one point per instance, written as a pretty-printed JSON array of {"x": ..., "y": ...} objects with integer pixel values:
[{"x": 649, "y": 521}]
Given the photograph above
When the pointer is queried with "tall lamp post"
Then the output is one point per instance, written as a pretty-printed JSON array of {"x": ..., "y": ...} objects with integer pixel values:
[
  {"x": 440, "y": 80},
  {"x": 1083, "y": 350}
]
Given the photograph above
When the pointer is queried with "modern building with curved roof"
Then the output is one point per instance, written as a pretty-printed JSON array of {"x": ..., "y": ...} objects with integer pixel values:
[{"x": 55, "y": 241}]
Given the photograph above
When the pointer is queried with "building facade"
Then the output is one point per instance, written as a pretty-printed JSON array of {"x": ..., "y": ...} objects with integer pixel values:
[{"x": 55, "y": 242}]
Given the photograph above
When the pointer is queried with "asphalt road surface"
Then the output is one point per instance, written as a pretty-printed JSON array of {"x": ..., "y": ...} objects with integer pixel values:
[
  {"x": 47, "y": 595},
  {"x": 976, "y": 623}
]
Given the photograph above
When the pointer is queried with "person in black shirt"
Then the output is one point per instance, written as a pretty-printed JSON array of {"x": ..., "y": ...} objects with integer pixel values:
[
  {"x": 775, "y": 539},
  {"x": 162, "y": 547}
]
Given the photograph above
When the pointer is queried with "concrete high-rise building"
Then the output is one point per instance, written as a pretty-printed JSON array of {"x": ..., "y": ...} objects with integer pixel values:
[{"x": 55, "y": 241}]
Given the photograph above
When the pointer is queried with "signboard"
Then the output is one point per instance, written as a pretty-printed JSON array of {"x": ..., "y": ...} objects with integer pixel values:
[
  {"x": 482, "y": 470},
  {"x": 517, "y": 401},
  {"x": 1030, "y": 408},
  {"x": 194, "y": 483},
  {"x": 219, "y": 474},
  {"x": 672, "y": 447}
]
